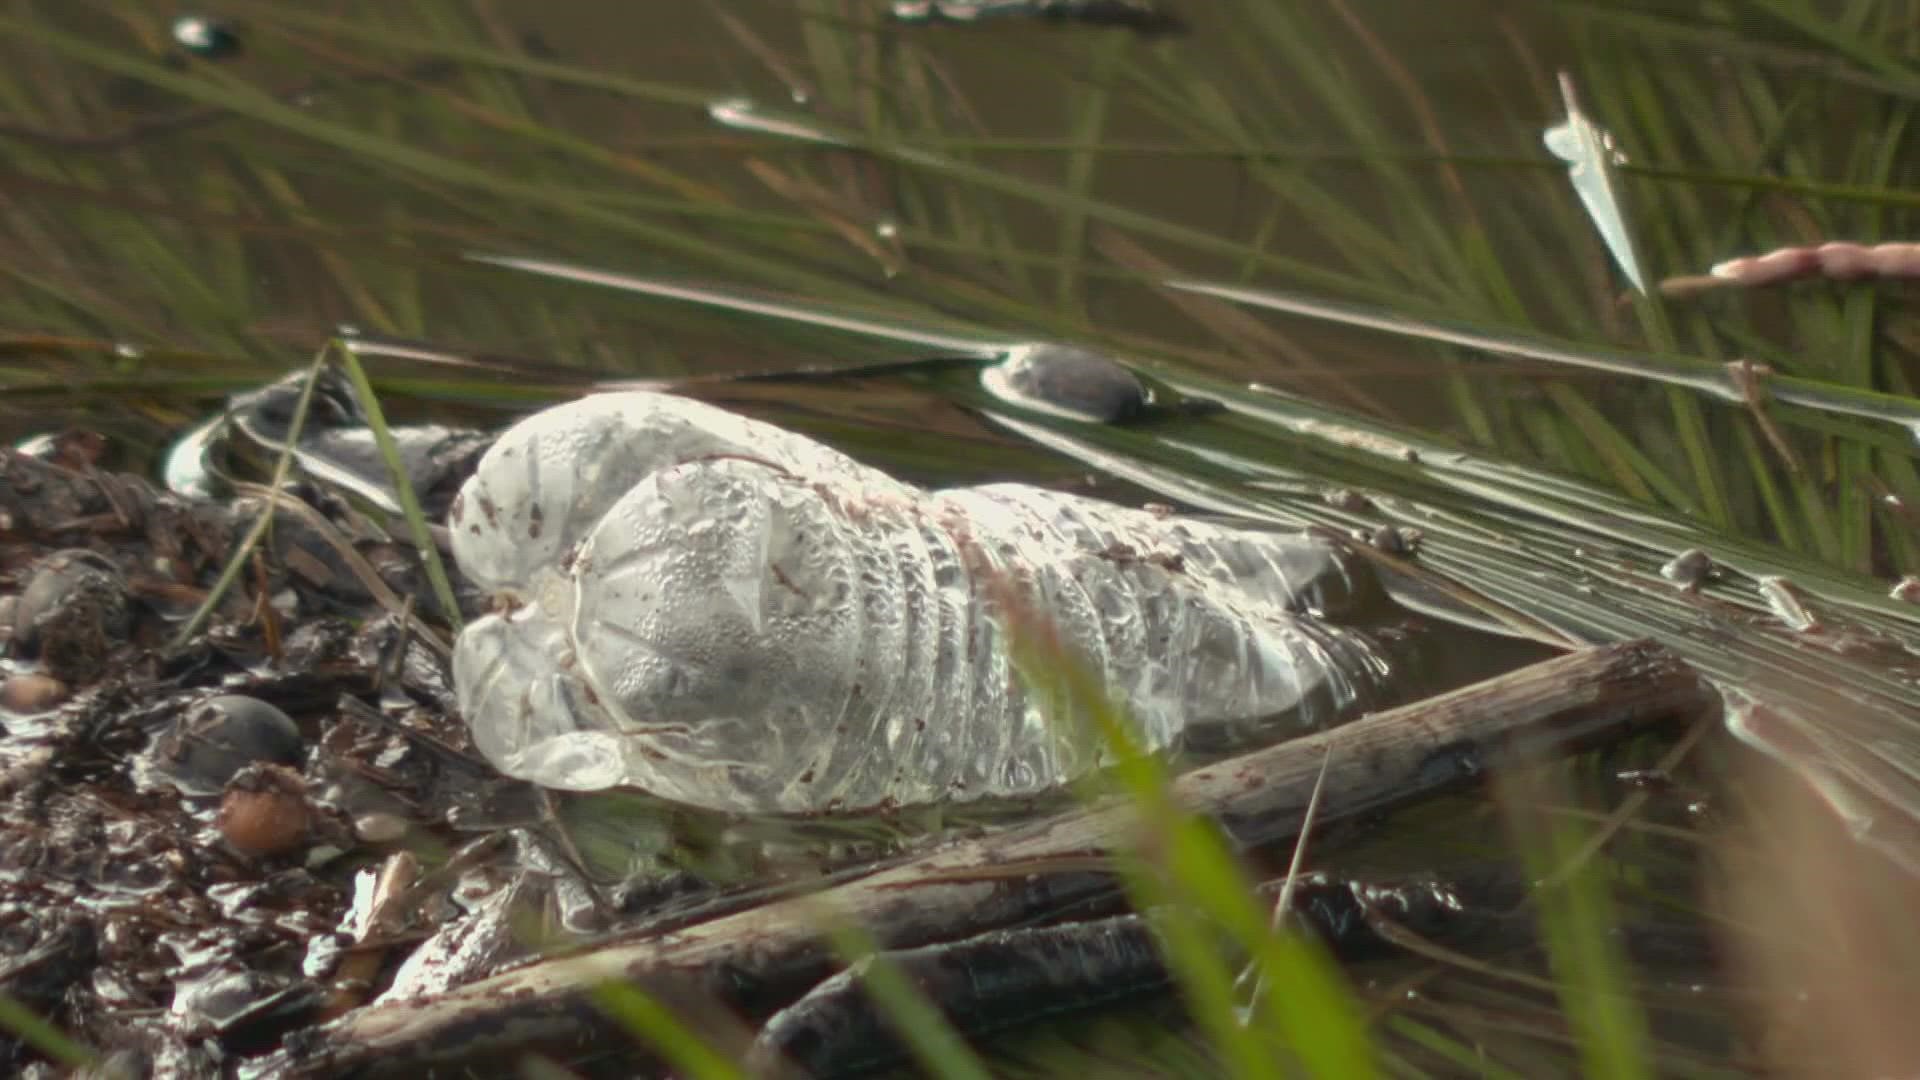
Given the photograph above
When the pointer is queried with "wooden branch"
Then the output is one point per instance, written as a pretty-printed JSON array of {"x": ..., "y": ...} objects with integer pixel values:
[{"x": 754, "y": 960}]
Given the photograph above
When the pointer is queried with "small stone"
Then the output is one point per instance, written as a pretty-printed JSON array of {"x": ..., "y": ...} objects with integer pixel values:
[
  {"x": 72, "y": 614},
  {"x": 264, "y": 811},
  {"x": 32, "y": 692},
  {"x": 215, "y": 739},
  {"x": 1073, "y": 383}
]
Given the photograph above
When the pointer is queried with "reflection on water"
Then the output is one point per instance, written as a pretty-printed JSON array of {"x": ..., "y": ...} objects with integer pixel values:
[{"x": 328, "y": 171}]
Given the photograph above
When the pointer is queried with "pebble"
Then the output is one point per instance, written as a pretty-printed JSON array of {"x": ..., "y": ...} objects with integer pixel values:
[
  {"x": 72, "y": 613},
  {"x": 1069, "y": 382},
  {"x": 32, "y": 692},
  {"x": 214, "y": 740},
  {"x": 264, "y": 811}
]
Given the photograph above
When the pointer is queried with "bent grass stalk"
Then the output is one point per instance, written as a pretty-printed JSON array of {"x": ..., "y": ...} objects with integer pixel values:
[
  {"x": 33, "y": 1029},
  {"x": 934, "y": 1042},
  {"x": 1182, "y": 864},
  {"x": 402, "y": 486},
  {"x": 656, "y": 1026},
  {"x": 282, "y": 469},
  {"x": 1576, "y": 917}
]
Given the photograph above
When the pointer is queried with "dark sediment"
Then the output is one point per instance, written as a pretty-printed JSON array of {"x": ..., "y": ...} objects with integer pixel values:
[{"x": 134, "y": 913}]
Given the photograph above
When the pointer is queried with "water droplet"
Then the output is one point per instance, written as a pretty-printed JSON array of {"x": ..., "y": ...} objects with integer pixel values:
[
  {"x": 207, "y": 38},
  {"x": 1690, "y": 569},
  {"x": 39, "y": 446}
]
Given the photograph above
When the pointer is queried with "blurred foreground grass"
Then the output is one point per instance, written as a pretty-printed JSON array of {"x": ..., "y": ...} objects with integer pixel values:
[{"x": 181, "y": 227}]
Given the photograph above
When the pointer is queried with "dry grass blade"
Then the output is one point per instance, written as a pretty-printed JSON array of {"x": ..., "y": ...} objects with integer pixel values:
[
  {"x": 283, "y": 468},
  {"x": 1283, "y": 903},
  {"x": 402, "y": 486},
  {"x": 1255, "y": 340}
]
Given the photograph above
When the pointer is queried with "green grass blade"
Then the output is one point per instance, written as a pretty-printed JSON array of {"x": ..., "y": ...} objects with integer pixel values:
[
  {"x": 637, "y": 1011},
  {"x": 402, "y": 485}
]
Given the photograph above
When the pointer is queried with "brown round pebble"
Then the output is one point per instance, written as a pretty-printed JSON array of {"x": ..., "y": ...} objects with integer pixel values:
[
  {"x": 32, "y": 692},
  {"x": 265, "y": 811}
]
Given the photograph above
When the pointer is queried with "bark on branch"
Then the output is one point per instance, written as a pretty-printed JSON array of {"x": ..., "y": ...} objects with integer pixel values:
[{"x": 755, "y": 960}]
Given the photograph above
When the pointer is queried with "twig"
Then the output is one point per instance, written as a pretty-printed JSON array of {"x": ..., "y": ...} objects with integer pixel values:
[{"x": 753, "y": 959}]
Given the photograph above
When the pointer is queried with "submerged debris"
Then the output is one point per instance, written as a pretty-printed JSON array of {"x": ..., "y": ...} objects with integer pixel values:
[
  {"x": 211, "y": 742},
  {"x": 1065, "y": 381},
  {"x": 1142, "y": 16}
]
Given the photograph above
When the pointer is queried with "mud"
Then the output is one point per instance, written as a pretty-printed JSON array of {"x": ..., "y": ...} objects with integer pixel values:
[{"x": 185, "y": 821}]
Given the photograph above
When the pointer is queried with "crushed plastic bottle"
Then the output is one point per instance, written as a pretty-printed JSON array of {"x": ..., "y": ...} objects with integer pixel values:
[{"x": 731, "y": 615}]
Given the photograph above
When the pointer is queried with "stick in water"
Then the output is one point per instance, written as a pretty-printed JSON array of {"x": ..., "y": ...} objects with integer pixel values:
[{"x": 755, "y": 960}]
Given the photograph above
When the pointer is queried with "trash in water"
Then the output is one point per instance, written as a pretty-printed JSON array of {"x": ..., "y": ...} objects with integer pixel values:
[{"x": 727, "y": 614}]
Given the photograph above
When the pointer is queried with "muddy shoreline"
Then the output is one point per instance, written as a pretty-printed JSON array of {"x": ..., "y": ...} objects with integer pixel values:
[
  {"x": 265, "y": 847},
  {"x": 185, "y": 820}
]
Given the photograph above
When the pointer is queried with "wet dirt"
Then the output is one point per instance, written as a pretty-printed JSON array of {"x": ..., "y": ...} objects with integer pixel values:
[{"x": 187, "y": 823}]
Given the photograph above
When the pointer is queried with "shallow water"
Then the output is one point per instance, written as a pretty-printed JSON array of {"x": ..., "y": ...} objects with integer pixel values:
[{"x": 182, "y": 229}]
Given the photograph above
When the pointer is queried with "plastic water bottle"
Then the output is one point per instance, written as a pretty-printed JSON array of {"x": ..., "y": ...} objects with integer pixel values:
[{"x": 730, "y": 615}]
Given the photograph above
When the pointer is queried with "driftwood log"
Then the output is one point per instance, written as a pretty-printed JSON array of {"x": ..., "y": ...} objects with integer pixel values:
[{"x": 751, "y": 962}]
